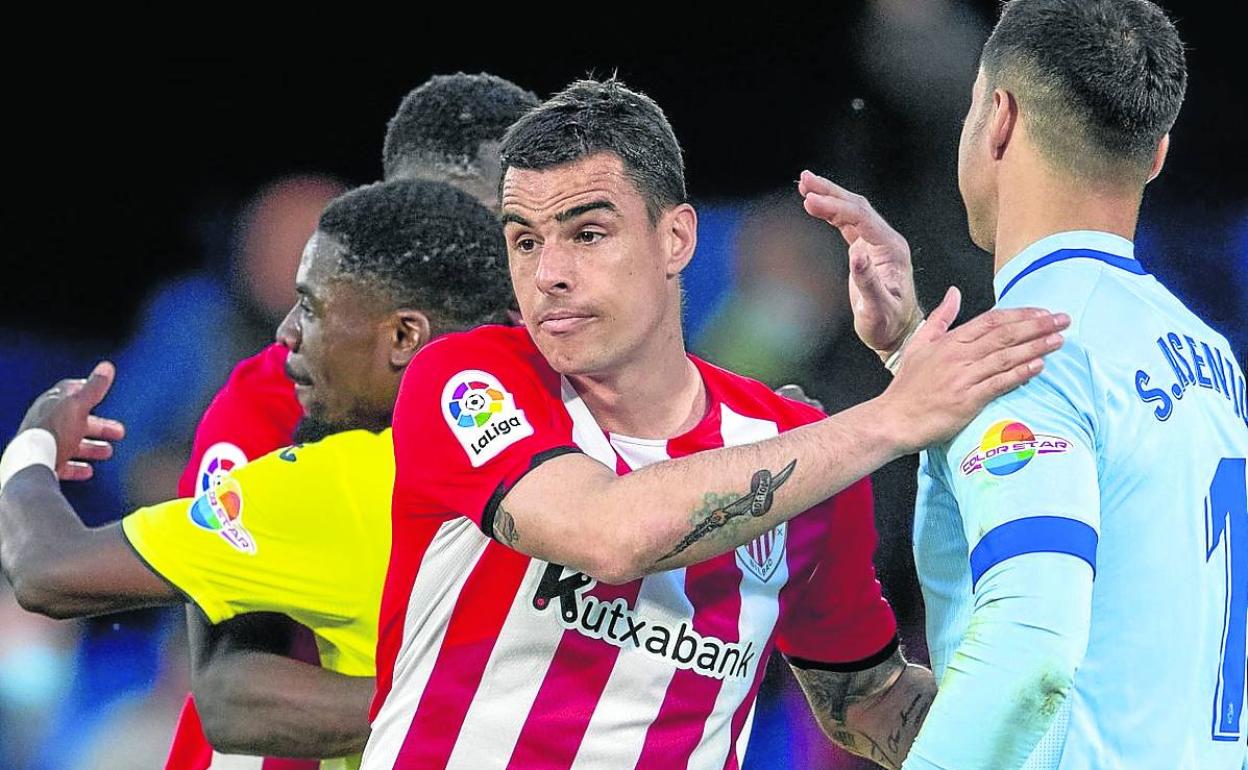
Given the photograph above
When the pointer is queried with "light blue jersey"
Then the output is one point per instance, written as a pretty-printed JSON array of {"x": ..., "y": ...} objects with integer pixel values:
[{"x": 1083, "y": 545}]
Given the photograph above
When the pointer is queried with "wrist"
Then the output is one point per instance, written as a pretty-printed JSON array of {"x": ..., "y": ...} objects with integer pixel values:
[
  {"x": 894, "y": 348},
  {"x": 888, "y": 429},
  {"x": 32, "y": 446}
]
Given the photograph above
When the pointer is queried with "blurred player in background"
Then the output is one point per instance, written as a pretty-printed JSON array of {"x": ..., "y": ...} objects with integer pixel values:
[
  {"x": 447, "y": 129},
  {"x": 1081, "y": 544},
  {"x": 304, "y": 531},
  {"x": 519, "y": 451}
]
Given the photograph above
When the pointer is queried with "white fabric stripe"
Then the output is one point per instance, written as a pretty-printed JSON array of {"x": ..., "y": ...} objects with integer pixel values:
[
  {"x": 760, "y": 609},
  {"x": 743, "y": 740},
  {"x": 448, "y": 562},
  {"x": 635, "y": 690},
  {"x": 585, "y": 431},
  {"x": 234, "y": 762},
  {"x": 515, "y": 672}
]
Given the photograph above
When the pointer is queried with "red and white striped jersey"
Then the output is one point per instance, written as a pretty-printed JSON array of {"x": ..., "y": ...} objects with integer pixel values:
[{"x": 490, "y": 658}]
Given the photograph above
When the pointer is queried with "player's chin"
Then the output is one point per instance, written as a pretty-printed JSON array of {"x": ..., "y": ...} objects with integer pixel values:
[{"x": 567, "y": 357}]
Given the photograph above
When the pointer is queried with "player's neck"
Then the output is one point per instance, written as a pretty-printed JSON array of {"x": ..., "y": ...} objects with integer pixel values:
[
  {"x": 656, "y": 395},
  {"x": 1037, "y": 205}
]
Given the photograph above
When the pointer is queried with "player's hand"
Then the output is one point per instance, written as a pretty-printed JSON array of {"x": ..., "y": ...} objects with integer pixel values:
[
  {"x": 948, "y": 377},
  {"x": 798, "y": 394},
  {"x": 881, "y": 278},
  {"x": 81, "y": 437}
]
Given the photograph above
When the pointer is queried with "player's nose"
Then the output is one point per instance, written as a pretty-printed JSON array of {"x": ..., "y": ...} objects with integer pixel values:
[
  {"x": 555, "y": 270},
  {"x": 288, "y": 330}
]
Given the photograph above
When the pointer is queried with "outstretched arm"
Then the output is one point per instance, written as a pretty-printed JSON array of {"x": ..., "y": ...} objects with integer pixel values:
[
  {"x": 255, "y": 699},
  {"x": 57, "y": 566},
  {"x": 680, "y": 512}
]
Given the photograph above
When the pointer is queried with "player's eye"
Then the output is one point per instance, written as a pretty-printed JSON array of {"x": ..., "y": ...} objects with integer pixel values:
[
  {"x": 589, "y": 236},
  {"x": 526, "y": 244},
  {"x": 305, "y": 306}
]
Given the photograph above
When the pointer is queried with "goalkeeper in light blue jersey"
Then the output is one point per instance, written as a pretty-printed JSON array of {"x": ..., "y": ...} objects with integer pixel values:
[{"x": 1083, "y": 545}]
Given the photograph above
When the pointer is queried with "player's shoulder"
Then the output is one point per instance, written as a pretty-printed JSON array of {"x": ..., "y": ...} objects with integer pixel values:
[
  {"x": 490, "y": 344},
  {"x": 353, "y": 454},
  {"x": 751, "y": 398}
]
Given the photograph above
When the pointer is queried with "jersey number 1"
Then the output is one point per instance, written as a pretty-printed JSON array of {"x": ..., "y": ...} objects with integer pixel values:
[{"x": 1226, "y": 520}]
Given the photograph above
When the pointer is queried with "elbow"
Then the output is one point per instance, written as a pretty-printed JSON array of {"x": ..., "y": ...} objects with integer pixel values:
[
  {"x": 224, "y": 736},
  {"x": 220, "y": 719},
  {"x": 1046, "y": 688},
  {"x": 617, "y": 562},
  {"x": 37, "y": 590}
]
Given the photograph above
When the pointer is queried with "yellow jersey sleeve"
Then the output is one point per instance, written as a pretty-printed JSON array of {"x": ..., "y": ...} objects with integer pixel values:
[{"x": 304, "y": 531}]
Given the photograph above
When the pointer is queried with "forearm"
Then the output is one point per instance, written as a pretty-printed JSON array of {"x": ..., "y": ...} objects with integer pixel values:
[
  {"x": 1015, "y": 668},
  {"x": 883, "y": 728},
  {"x": 682, "y": 512},
  {"x": 873, "y": 714},
  {"x": 58, "y": 566},
  {"x": 272, "y": 705}
]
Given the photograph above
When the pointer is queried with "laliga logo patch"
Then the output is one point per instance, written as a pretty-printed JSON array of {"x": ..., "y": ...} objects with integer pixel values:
[
  {"x": 482, "y": 415},
  {"x": 219, "y": 506},
  {"x": 1008, "y": 446}
]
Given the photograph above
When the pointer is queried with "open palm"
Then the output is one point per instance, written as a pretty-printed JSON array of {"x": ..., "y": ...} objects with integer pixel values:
[{"x": 881, "y": 277}]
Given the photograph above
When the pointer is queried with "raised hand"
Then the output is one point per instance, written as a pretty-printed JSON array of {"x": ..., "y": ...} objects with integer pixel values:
[
  {"x": 881, "y": 278},
  {"x": 947, "y": 377},
  {"x": 82, "y": 438}
]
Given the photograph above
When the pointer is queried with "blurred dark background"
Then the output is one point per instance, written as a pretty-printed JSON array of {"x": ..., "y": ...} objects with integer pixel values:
[{"x": 128, "y": 177}]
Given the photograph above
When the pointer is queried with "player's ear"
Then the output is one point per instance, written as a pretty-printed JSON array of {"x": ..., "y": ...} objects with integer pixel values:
[
  {"x": 409, "y": 331},
  {"x": 680, "y": 234},
  {"x": 1001, "y": 121},
  {"x": 1159, "y": 157}
]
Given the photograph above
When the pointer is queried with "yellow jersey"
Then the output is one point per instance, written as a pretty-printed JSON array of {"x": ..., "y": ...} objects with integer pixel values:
[{"x": 304, "y": 531}]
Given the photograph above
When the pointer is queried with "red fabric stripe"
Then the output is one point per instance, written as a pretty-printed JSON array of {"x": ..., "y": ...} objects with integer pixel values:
[
  {"x": 411, "y": 540},
  {"x": 714, "y": 589},
  {"x": 474, "y": 627},
  {"x": 743, "y": 710},
  {"x": 574, "y": 683}
]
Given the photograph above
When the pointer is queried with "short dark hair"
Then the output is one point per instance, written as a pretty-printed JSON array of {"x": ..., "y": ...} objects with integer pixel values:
[
  {"x": 592, "y": 116},
  {"x": 442, "y": 123},
  {"x": 426, "y": 246},
  {"x": 1105, "y": 77}
]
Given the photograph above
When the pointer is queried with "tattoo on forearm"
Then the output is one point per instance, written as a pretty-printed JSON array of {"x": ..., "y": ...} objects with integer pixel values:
[
  {"x": 831, "y": 694},
  {"x": 715, "y": 516},
  {"x": 505, "y": 528}
]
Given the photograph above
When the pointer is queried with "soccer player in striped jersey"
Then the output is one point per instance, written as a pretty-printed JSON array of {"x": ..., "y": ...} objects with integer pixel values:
[
  {"x": 598, "y": 539},
  {"x": 1082, "y": 544},
  {"x": 253, "y": 693},
  {"x": 391, "y": 265}
]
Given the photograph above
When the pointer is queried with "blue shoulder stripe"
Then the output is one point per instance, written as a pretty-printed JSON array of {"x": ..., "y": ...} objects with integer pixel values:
[
  {"x": 1035, "y": 534},
  {"x": 1113, "y": 260}
]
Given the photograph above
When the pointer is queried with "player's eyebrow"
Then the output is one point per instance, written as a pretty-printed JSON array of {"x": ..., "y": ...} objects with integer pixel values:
[
  {"x": 576, "y": 211},
  {"x": 511, "y": 216},
  {"x": 303, "y": 290}
]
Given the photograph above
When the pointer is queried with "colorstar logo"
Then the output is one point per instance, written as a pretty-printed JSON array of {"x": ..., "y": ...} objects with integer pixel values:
[
  {"x": 1008, "y": 446},
  {"x": 219, "y": 507},
  {"x": 482, "y": 415},
  {"x": 619, "y": 625}
]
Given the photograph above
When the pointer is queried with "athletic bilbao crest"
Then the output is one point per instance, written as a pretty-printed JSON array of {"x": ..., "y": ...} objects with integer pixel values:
[{"x": 764, "y": 553}]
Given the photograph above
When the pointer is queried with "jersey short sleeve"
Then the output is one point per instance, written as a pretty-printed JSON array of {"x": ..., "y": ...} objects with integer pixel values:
[
  {"x": 287, "y": 533},
  {"x": 475, "y": 413},
  {"x": 840, "y": 620},
  {"x": 1024, "y": 472}
]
